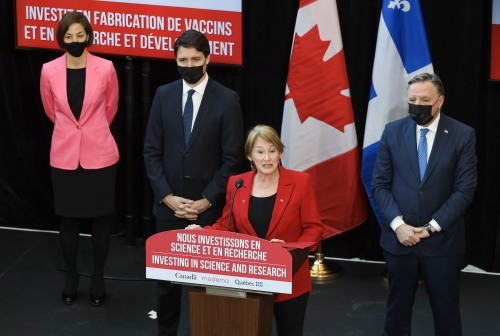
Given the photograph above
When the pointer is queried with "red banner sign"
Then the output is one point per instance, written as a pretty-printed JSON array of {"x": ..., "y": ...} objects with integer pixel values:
[
  {"x": 219, "y": 258},
  {"x": 144, "y": 28}
]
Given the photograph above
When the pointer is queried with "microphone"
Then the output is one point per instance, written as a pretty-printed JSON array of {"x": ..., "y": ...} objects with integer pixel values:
[{"x": 238, "y": 185}]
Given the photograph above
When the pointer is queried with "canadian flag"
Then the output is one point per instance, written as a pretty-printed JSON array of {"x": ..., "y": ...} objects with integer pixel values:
[{"x": 318, "y": 122}]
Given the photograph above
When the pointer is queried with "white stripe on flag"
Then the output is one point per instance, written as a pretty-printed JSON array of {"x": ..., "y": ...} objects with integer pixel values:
[
  {"x": 390, "y": 80},
  {"x": 313, "y": 141}
]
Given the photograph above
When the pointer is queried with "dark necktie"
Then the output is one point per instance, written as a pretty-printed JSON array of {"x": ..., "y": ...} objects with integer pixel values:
[
  {"x": 422, "y": 152},
  {"x": 187, "y": 118}
]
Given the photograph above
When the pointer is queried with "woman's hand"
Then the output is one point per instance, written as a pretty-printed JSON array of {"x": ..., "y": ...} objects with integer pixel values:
[
  {"x": 274, "y": 240},
  {"x": 193, "y": 227}
]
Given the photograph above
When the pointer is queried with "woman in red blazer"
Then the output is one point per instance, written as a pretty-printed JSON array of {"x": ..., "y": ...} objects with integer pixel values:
[
  {"x": 279, "y": 205},
  {"x": 80, "y": 96}
]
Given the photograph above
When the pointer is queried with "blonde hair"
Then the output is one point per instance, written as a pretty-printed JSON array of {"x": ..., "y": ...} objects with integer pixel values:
[{"x": 266, "y": 133}]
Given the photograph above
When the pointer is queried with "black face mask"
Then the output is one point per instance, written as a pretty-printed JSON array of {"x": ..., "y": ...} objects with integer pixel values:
[
  {"x": 75, "y": 49},
  {"x": 191, "y": 74},
  {"x": 421, "y": 114}
]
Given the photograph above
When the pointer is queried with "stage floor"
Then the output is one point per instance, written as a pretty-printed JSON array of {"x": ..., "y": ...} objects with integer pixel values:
[{"x": 353, "y": 305}]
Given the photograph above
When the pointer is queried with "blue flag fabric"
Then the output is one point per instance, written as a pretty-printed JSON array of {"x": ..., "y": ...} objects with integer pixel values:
[{"x": 402, "y": 52}]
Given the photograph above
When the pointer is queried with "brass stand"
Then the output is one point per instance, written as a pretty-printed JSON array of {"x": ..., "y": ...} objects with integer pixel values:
[
  {"x": 322, "y": 269},
  {"x": 385, "y": 278}
]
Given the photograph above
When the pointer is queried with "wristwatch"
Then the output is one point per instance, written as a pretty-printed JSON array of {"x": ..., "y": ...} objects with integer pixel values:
[{"x": 428, "y": 228}]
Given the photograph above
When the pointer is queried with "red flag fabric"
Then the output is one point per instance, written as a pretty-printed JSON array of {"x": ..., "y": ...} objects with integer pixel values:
[
  {"x": 318, "y": 122},
  {"x": 495, "y": 41}
]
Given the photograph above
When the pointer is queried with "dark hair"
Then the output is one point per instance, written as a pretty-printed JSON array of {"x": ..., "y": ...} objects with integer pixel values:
[
  {"x": 193, "y": 39},
  {"x": 67, "y": 20},
  {"x": 427, "y": 77}
]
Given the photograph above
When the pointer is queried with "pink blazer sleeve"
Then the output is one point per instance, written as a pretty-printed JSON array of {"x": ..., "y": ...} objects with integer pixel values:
[
  {"x": 46, "y": 94},
  {"x": 111, "y": 95}
]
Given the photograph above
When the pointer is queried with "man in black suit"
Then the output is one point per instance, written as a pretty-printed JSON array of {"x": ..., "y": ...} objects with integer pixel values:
[
  {"x": 194, "y": 143},
  {"x": 424, "y": 180}
]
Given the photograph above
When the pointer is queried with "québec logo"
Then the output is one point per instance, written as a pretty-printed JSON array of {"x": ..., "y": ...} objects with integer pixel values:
[{"x": 398, "y": 3}]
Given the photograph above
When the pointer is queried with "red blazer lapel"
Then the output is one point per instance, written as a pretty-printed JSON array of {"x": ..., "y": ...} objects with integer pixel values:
[
  {"x": 242, "y": 203},
  {"x": 91, "y": 82},
  {"x": 285, "y": 190},
  {"x": 60, "y": 85}
]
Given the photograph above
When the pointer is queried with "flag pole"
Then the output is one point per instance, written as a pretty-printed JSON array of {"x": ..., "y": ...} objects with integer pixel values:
[{"x": 322, "y": 269}]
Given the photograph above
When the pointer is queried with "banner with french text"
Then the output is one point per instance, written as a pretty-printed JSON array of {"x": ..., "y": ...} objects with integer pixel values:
[
  {"x": 143, "y": 28},
  {"x": 219, "y": 258}
]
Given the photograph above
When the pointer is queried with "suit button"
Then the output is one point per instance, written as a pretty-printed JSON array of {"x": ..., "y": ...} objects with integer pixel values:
[
  {"x": 420, "y": 192},
  {"x": 78, "y": 127}
]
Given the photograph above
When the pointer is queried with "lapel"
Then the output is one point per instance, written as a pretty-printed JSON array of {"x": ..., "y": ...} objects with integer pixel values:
[
  {"x": 177, "y": 112},
  {"x": 285, "y": 189},
  {"x": 206, "y": 104},
  {"x": 60, "y": 85},
  {"x": 243, "y": 197},
  {"x": 440, "y": 142},
  {"x": 91, "y": 82},
  {"x": 411, "y": 146}
]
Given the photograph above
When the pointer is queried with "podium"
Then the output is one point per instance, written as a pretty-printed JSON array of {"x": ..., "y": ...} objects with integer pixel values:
[{"x": 235, "y": 277}]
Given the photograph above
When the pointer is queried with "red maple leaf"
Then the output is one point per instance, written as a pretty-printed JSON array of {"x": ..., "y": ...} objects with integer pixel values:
[
  {"x": 304, "y": 3},
  {"x": 315, "y": 85}
]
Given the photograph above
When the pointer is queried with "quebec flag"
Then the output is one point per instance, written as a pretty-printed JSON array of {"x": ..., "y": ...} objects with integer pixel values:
[{"x": 402, "y": 52}]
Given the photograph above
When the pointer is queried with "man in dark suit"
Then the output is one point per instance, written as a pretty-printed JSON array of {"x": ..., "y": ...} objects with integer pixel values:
[
  {"x": 424, "y": 180},
  {"x": 194, "y": 143}
]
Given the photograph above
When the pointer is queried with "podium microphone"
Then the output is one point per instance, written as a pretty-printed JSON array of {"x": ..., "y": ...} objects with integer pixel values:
[{"x": 238, "y": 185}]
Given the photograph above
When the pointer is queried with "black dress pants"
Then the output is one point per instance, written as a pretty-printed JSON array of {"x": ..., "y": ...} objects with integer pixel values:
[
  {"x": 290, "y": 314},
  {"x": 168, "y": 304},
  {"x": 168, "y": 308},
  {"x": 441, "y": 275}
]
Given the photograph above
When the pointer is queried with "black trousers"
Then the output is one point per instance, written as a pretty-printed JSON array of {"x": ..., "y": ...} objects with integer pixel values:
[
  {"x": 441, "y": 275},
  {"x": 168, "y": 304},
  {"x": 290, "y": 314}
]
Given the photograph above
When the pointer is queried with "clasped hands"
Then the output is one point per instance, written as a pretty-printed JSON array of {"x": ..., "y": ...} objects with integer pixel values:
[
  {"x": 186, "y": 208},
  {"x": 409, "y": 235}
]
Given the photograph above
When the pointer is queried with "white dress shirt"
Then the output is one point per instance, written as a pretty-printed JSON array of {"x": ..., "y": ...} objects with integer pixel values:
[
  {"x": 197, "y": 96},
  {"x": 430, "y": 136}
]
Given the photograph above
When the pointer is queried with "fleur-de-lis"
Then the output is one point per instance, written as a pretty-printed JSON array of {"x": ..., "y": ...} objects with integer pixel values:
[{"x": 399, "y": 3}]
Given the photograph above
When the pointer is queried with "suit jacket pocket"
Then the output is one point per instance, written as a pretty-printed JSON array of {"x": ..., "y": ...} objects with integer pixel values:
[
  {"x": 57, "y": 144},
  {"x": 105, "y": 144}
]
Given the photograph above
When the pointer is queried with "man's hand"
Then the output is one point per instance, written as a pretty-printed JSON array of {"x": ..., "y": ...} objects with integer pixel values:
[
  {"x": 175, "y": 202},
  {"x": 424, "y": 234},
  {"x": 409, "y": 235},
  {"x": 192, "y": 210},
  {"x": 193, "y": 227}
]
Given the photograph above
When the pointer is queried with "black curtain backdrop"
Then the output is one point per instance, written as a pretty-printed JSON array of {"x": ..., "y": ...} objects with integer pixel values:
[{"x": 459, "y": 40}]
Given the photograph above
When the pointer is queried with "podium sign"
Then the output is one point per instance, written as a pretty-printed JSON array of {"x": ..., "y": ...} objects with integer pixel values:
[{"x": 219, "y": 258}]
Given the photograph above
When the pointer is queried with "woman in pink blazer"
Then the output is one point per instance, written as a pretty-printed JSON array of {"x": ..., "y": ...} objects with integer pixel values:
[
  {"x": 279, "y": 205},
  {"x": 80, "y": 96}
]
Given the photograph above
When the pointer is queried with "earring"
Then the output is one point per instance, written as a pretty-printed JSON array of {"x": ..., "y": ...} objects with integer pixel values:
[{"x": 252, "y": 165}]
